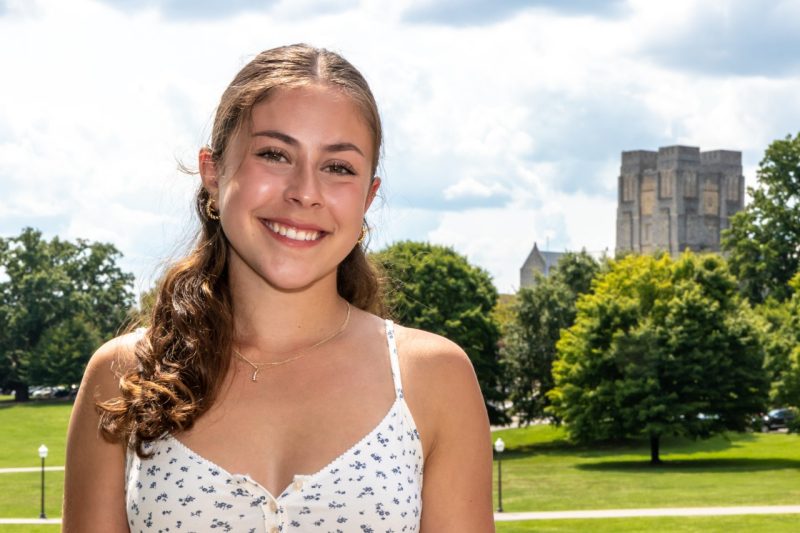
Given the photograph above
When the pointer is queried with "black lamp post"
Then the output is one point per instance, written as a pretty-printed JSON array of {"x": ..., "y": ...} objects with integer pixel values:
[
  {"x": 499, "y": 447},
  {"x": 43, "y": 455}
]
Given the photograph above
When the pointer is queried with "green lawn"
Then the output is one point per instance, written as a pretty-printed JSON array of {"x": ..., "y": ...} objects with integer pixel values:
[
  {"x": 706, "y": 524},
  {"x": 24, "y": 428},
  {"x": 43, "y": 529},
  {"x": 27, "y": 426},
  {"x": 541, "y": 472}
]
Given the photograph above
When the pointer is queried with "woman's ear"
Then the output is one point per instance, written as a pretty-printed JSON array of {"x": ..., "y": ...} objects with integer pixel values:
[
  {"x": 208, "y": 172},
  {"x": 374, "y": 185}
]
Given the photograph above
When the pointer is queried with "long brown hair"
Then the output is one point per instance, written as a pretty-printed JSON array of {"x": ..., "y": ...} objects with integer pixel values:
[{"x": 184, "y": 354}]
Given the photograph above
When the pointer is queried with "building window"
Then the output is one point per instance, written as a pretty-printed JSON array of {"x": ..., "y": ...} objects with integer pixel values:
[
  {"x": 690, "y": 185},
  {"x": 627, "y": 188},
  {"x": 665, "y": 181},
  {"x": 733, "y": 188},
  {"x": 711, "y": 198}
]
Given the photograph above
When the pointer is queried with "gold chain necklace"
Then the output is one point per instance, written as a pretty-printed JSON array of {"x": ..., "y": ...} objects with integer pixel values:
[{"x": 298, "y": 354}]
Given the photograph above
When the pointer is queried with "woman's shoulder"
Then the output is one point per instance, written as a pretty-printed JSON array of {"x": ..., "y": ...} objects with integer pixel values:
[
  {"x": 440, "y": 382},
  {"x": 435, "y": 367},
  {"x": 430, "y": 350},
  {"x": 110, "y": 362}
]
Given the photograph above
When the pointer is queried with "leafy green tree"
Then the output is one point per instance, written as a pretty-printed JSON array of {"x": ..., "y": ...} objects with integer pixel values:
[
  {"x": 58, "y": 300},
  {"x": 434, "y": 288},
  {"x": 660, "y": 348},
  {"x": 504, "y": 312},
  {"x": 763, "y": 242},
  {"x": 529, "y": 343},
  {"x": 781, "y": 334}
]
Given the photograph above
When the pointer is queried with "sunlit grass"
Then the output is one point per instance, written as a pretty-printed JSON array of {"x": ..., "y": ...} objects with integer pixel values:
[{"x": 543, "y": 472}]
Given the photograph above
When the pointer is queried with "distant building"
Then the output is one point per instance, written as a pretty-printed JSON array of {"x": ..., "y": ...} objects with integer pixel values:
[
  {"x": 537, "y": 261},
  {"x": 677, "y": 198}
]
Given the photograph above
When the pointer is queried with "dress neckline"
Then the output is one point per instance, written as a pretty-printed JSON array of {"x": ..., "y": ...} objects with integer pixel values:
[{"x": 169, "y": 437}]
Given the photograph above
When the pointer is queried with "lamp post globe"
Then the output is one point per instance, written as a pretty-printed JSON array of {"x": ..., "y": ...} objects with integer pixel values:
[
  {"x": 499, "y": 447},
  {"x": 43, "y": 455}
]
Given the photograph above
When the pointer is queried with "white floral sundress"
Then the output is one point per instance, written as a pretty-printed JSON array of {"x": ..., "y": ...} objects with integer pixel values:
[{"x": 375, "y": 486}]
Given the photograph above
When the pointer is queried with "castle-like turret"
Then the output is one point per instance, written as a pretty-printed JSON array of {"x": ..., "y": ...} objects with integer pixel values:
[{"x": 677, "y": 198}]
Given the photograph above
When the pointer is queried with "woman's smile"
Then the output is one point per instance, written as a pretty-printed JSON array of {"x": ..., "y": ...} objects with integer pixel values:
[{"x": 294, "y": 234}]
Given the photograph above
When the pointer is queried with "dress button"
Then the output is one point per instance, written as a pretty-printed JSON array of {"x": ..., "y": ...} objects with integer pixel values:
[
  {"x": 273, "y": 507},
  {"x": 274, "y": 530},
  {"x": 298, "y": 484}
]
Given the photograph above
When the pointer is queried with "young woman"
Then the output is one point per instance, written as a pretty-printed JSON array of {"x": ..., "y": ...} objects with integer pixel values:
[{"x": 268, "y": 394}]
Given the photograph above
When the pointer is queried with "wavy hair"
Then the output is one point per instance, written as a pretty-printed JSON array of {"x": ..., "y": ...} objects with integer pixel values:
[{"x": 184, "y": 354}]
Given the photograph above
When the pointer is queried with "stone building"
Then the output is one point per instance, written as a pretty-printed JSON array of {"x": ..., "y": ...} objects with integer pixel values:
[
  {"x": 537, "y": 261},
  {"x": 677, "y": 198}
]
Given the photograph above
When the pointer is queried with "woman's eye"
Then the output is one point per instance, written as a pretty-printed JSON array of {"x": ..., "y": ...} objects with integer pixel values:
[
  {"x": 341, "y": 168},
  {"x": 272, "y": 155}
]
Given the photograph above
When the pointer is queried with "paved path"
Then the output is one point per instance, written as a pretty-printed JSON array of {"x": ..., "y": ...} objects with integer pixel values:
[
  {"x": 30, "y": 520},
  {"x": 31, "y": 469},
  {"x": 668, "y": 511},
  {"x": 556, "y": 515}
]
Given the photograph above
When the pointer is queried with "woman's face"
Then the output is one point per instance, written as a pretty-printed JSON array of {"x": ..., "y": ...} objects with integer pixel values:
[{"x": 293, "y": 188}]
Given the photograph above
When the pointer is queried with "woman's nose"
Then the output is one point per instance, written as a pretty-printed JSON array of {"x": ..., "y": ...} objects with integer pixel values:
[{"x": 303, "y": 188}]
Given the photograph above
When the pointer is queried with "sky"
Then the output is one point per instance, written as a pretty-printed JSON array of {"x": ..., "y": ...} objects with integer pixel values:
[{"x": 504, "y": 120}]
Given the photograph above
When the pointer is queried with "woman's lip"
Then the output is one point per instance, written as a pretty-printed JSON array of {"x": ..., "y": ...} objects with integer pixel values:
[
  {"x": 290, "y": 241},
  {"x": 293, "y": 224}
]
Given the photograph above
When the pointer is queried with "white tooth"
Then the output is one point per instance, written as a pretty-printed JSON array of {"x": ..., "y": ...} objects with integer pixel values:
[
  {"x": 282, "y": 230},
  {"x": 312, "y": 236},
  {"x": 302, "y": 235},
  {"x": 291, "y": 233}
]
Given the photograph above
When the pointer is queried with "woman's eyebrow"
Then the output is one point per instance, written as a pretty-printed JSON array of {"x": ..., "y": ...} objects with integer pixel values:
[
  {"x": 343, "y": 147},
  {"x": 288, "y": 139}
]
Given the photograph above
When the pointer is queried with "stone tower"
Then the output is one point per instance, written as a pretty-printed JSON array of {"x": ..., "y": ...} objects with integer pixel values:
[{"x": 677, "y": 198}]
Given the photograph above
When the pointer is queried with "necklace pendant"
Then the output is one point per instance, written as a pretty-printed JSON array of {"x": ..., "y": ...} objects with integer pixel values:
[{"x": 254, "y": 378}]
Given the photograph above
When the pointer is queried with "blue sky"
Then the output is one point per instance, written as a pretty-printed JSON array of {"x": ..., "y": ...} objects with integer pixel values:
[{"x": 504, "y": 120}]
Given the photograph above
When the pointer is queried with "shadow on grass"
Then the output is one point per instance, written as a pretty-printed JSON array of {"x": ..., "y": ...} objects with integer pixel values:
[
  {"x": 676, "y": 445},
  {"x": 719, "y": 466},
  {"x": 5, "y": 404}
]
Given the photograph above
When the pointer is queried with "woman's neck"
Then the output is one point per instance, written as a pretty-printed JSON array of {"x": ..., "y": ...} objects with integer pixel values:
[{"x": 270, "y": 322}]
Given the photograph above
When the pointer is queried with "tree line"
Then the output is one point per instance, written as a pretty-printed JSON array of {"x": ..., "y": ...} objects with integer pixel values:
[
  {"x": 636, "y": 345},
  {"x": 59, "y": 301}
]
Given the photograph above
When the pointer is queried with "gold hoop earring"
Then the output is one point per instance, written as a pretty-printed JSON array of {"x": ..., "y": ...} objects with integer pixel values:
[
  {"x": 363, "y": 234},
  {"x": 211, "y": 213}
]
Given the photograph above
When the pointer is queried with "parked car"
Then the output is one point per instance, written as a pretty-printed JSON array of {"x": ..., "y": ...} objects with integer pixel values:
[
  {"x": 40, "y": 392},
  {"x": 779, "y": 418}
]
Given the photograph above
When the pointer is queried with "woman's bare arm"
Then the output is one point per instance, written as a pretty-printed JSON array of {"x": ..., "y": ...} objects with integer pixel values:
[
  {"x": 457, "y": 480},
  {"x": 94, "y": 483}
]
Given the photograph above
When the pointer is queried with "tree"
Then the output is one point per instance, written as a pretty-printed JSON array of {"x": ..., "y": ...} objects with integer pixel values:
[
  {"x": 529, "y": 343},
  {"x": 660, "y": 348},
  {"x": 781, "y": 339},
  {"x": 434, "y": 288},
  {"x": 58, "y": 300},
  {"x": 763, "y": 242}
]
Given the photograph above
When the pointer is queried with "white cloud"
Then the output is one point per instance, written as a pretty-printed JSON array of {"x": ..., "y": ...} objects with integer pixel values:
[{"x": 472, "y": 188}]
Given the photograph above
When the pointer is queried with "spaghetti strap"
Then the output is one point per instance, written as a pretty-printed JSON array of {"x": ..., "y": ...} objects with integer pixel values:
[{"x": 398, "y": 384}]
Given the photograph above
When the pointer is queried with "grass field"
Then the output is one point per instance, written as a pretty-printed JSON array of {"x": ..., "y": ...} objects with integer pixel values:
[
  {"x": 706, "y": 524},
  {"x": 541, "y": 472},
  {"x": 25, "y": 427}
]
